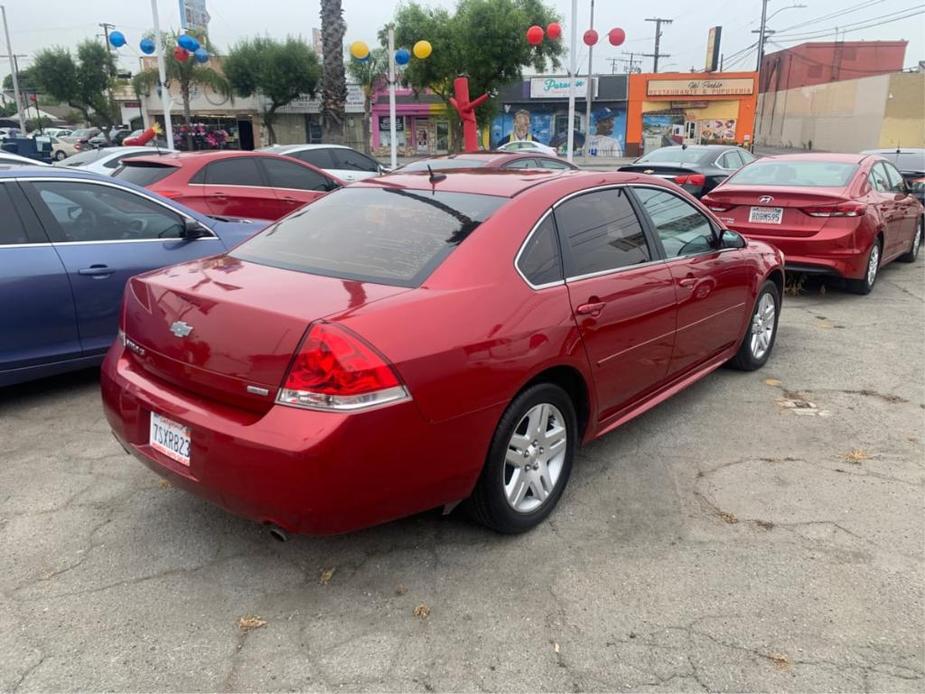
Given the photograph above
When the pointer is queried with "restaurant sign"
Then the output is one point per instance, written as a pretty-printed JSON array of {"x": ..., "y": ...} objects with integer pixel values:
[
  {"x": 728, "y": 87},
  {"x": 557, "y": 87}
]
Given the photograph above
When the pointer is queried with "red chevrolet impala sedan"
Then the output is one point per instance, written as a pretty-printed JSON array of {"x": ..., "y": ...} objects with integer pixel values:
[
  {"x": 412, "y": 341},
  {"x": 835, "y": 214},
  {"x": 230, "y": 183}
]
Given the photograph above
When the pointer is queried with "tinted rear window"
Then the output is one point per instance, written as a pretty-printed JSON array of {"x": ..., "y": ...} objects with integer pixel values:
[
  {"x": 444, "y": 164},
  {"x": 908, "y": 161},
  {"x": 84, "y": 158},
  {"x": 144, "y": 174},
  {"x": 384, "y": 235},
  {"x": 812, "y": 174},
  {"x": 676, "y": 154}
]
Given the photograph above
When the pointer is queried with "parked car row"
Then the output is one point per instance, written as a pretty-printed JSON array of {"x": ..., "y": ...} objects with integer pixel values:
[{"x": 274, "y": 372}]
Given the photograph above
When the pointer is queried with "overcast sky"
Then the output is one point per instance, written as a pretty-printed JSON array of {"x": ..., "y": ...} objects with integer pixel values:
[{"x": 36, "y": 25}]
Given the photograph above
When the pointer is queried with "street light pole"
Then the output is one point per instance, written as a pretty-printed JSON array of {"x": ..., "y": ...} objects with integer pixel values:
[
  {"x": 393, "y": 145},
  {"x": 162, "y": 75},
  {"x": 573, "y": 69},
  {"x": 9, "y": 50},
  {"x": 590, "y": 91},
  {"x": 762, "y": 31}
]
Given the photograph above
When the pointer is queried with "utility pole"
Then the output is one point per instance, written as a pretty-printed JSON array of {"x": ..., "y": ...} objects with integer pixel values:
[
  {"x": 9, "y": 52},
  {"x": 572, "y": 74},
  {"x": 629, "y": 64},
  {"x": 590, "y": 91},
  {"x": 162, "y": 75},
  {"x": 658, "y": 35},
  {"x": 613, "y": 65},
  {"x": 762, "y": 36},
  {"x": 106, "y": 26}
]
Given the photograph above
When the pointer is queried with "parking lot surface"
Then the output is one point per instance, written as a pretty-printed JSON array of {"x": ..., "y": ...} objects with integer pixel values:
[{"x": 759, "y": 531}]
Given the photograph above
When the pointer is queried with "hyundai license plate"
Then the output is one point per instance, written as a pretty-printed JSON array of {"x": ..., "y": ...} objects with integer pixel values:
[
  {"x": 766, "y": 215},
  {"x": 170, "y": 438}
]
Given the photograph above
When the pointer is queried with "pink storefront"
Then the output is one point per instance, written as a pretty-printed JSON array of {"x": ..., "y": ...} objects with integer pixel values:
[{"x": 421, "y": 123}]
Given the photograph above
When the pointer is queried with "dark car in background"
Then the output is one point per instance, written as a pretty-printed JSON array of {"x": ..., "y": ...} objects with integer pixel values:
[
  {"x": 69, "y": 242},
  {"x": 489, "y": 160},
  {"x": 911, "y": 165},
  {"x": 698, "y": 169}
]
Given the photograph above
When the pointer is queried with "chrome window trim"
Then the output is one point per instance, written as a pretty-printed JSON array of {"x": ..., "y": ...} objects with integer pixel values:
[
  {"x": 235, "y": 185},
  {"x": 523, "y": 246}
]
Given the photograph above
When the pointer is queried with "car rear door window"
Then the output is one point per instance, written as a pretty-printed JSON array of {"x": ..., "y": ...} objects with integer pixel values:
[
  {"x": 601, "y": 233},
  {"x": 320, "y": 157},
  {"x": 286, "y": 174},
  {"x": 682, "y": 229},
  {"x": 878, "y": 179},
  {"x": 548, "y": 163},
  {"x": 894, "y": 178},
  {"x": 143, "y": 174},
  {"x": 349, "y": 160},
  {"x": 237, "y": 171},
  {"x": 12, "y": 231},
  {"x": 387, "y": 235},
  {"x": 77, "y": 211},
  {"x": 540, "y": 261}
]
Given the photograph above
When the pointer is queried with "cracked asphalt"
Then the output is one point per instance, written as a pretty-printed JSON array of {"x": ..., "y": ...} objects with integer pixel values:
[{"x": 758, "y": 532}]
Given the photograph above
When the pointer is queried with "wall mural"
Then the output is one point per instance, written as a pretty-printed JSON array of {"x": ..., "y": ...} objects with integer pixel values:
[{"x": 548, "y": 125}]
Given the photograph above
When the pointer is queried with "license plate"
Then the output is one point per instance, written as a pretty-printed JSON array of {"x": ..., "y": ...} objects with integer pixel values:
[
  {"x": 170, "y": 438},
  {"x": 766, "y": 215}
]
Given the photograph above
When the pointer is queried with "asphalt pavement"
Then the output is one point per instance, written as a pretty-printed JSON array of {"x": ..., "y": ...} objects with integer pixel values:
[{"x": 758, "y": 532}]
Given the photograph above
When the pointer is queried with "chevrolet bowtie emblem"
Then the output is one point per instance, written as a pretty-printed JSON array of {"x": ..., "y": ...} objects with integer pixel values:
[{"x": 181, "y": 329}]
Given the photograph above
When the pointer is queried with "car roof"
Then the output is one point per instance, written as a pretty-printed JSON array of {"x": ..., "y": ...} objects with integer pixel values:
[
  {"x": 299, "y": 148},
  {"x": 819, "y": 156},
  {"x": 895, "y": 150},
  {"x": 698, "y": 148},
  {"x": 499, "y": 182},
  {"x": 201, "y": 157}
]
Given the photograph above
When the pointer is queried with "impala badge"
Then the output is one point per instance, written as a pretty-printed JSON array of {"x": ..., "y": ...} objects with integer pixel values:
[
  {"x": 765, "y": 199},
  {"x": 649, "y": 172},
  {"x": 181, "y": 329}
]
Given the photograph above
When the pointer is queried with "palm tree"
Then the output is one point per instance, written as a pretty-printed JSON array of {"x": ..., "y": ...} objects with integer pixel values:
[
  {"x": 334, "y": 82},
  {"x": 369, "y": 74},
  {"x": 185, "y": 74}
]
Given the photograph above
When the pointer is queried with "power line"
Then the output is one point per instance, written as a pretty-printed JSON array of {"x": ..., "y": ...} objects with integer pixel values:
[
  {"x": 839, "y": 13},
  {"x": 658, "y": 35},
  {"x": 869, "y": 23}
]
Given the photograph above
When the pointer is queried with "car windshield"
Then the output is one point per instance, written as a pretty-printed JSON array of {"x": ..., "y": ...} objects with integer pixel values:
[
  {"x": 85, "y": 132},
  {"x": 810, "y": 174},
  {"x": 143, "y": 174},
  {"x": 674, "y": 154},
  {"x": 444, "y": 164},
  {"x": 84, "y": 158},
  {"x": 385, "y": 235}
]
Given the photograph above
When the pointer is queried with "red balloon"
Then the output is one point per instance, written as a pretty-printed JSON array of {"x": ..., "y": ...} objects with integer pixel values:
[
  {"x": 554, "y": 31},
  {"x": 535, "y": 35},
  {"x": 181, "y": 55},
  {"x": 617, "y": 36},
  {"x": 590, "y": 37}
]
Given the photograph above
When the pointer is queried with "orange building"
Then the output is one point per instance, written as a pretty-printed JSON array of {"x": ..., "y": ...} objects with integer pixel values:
[{"x": 690, "y": 107}]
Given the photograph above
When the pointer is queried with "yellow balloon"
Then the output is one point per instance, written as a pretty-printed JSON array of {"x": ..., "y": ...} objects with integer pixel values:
[
  {"x": 422, "y": 49},
  {"x": 359, "y": 50}
]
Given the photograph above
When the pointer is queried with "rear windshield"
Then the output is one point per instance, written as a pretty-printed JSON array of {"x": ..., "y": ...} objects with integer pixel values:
[
  {"x": 444, "y": 164},
  {"x": 384, "y": 235},
  {"x": 672, "y": 154},
  {"x": 908, "y": 161},
  {"x": 143, "y": 174},
  {"x": 84, "y": 158},
  {"x": 811, "y": 174}
]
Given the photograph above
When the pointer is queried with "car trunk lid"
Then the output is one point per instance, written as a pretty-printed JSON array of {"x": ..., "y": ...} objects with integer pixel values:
[
  {"x": 734, "y": 204},
  {"x": 228, "y": 329}
]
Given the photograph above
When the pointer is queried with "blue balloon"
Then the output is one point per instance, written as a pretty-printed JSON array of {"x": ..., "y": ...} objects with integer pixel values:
[
  {"x": 147, "y": 46},
  {"x": 117, "y": 39},
  {"x": 188, "y": 42},
  {"x": 402, "y": 56},
  {"x": 201, "y": 54}
]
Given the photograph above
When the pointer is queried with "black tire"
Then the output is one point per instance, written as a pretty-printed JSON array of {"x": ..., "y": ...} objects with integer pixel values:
[
  {"x": 60, "y": 155},
  {"x": 864, "y": 285},
  {"x": 750, "y": 357},
  {"x": 489, "y": 504},
  {"x": 917, "y": 240}
]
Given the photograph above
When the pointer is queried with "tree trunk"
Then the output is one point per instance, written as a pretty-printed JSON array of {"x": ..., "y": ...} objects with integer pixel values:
[
  {"x": 334, "y": 82},
  {"x": 187, "y": 114},
  {"x": 367, "y": 117},
  {"x": 268, "y": 117}
]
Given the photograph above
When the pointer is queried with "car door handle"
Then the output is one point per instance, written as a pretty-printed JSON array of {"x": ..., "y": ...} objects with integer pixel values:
[
  {"x": 289, "y": 198},
  {"x": 688, "y": 281},
  {"x": 217, "y": 195},
  {"x": 591, "y": 309},
  {"x": 96, "y": 271}
]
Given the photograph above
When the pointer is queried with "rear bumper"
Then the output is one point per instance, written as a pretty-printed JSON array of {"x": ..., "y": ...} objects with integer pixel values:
[
  {"x": 305, "y": 471},
  {"x": 838, "y": 252}
]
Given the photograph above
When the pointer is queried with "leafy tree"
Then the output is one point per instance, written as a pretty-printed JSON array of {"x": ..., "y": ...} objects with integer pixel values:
[
  {"x": 186, "y": 74},
  {"x": 334, "y": 82},
  {"x": 83, "y": 84},
  {"x": 484, "y": 39},
  {"x": 280, "y": 71},
  {"x": 26, "y": 81},
  {"x": 369, "y": 74}
]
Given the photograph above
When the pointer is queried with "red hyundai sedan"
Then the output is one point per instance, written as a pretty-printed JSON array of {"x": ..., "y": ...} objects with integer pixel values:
[
  {"x": 259, "y": 185},
  {"x": 412, "y": 341},
  {"x": 839, "y": 214}
]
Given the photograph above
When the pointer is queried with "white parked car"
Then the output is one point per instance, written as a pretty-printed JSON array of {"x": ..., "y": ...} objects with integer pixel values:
[
  {"x": 344, "y": 162},
  {"x": 10, "y": 159},
  {"x": 527, "y": 146},
  {"x": 105, "y": 161}
]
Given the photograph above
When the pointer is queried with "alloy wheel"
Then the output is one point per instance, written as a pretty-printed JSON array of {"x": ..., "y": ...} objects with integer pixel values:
[
  {"x": 873, "y": 264},
  {"x": 917, "y": 241},
  {"x": 535, "y": 458},
  {"x": 763, "y": 322}
]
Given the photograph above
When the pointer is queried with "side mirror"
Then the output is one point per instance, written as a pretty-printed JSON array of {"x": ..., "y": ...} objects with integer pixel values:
[
  {"x": 331, "y": 185},
  {"x": 193, "y": 229},
  {"x": 383, "y": 170}
]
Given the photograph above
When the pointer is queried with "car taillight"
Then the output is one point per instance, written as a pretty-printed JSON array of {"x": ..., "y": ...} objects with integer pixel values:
[
  {"x": 335, "y": 370},
  {"x": 690, "y": 179},
  {"x": 842, "y": 209}
]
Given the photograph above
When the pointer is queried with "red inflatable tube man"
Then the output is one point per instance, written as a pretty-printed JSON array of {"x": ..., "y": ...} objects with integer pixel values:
[
  {"x": 144, "y": 138},
  {"x": 460, "y": 101}
]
